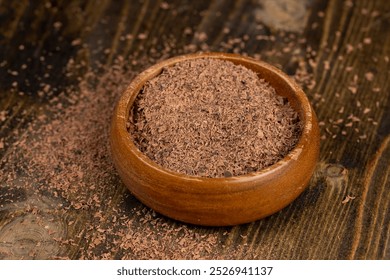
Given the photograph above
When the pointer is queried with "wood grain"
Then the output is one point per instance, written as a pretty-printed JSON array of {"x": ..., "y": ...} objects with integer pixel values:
[{"x": 53, "y": 52}]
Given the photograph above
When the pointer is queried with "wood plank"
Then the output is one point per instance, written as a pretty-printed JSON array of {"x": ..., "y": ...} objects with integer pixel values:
[{"x": 63, "y": 65}]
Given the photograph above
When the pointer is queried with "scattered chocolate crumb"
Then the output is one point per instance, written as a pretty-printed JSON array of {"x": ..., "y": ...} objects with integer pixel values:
[
  {"x": 366, "y": 110},
  {"x": 211, "y": 118},
  {"x": 164, "y": 5},
  {"x": 347, "y": 199},
  {"x": 348, "y": 68},
  {"x": 57, "y": 25},
  {"x": 188, "y": 31},
  {"x": 369, "y": 76},
  {"x": 142, "y": 36},
  {"x": 201, "y": 36},
  {"x": 352, "y": 89},
  {"x": 350, "y": 48},
  {"x": 367, "y": 40},
  {"x": 326, "y": 65},
  {"x": 76, "y": 42},
  {"x": 349, "y": 3}
]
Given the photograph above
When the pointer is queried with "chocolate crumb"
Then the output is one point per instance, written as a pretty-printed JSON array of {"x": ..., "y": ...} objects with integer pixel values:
[
  {"x": 347, "y": 199},
  {"x": 367, "y": 40},
  {"x": 211, "y": 118},
  {"x": 369, "y": 76}
]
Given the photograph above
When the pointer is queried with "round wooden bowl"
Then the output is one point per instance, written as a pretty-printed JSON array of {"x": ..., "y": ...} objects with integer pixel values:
[{"x": 217, "y": 201}]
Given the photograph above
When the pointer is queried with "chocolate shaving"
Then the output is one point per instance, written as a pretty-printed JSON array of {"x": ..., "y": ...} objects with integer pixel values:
[{"x": 212, "y": 118}]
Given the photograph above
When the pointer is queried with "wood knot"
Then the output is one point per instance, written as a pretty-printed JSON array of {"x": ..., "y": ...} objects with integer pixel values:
[
  {"x": 31, "y": 232},
  {"x": 30, "y": 237},
  {"x": 335, "y": 171}
]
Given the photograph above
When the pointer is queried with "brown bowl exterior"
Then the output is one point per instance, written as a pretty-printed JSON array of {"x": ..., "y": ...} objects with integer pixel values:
[{"x": 217, "y": 201}]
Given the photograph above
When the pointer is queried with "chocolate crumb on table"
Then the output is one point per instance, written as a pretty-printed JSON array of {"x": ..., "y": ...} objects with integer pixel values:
[{"x": 212, "y": 118}]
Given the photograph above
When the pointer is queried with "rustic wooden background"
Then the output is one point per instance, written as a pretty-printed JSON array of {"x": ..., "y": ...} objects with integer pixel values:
[{"x": 63, "y": 65}]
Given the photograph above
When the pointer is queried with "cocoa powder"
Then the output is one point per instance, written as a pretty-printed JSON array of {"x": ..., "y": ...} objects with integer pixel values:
[{"x": 212, "y": 118}]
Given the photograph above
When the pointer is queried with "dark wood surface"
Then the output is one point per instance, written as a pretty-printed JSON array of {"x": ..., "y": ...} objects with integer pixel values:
[{"x": 63, "y": 65}]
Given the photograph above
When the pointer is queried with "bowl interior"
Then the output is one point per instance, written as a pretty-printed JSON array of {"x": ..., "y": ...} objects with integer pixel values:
[{"x": 283, "y": 85}]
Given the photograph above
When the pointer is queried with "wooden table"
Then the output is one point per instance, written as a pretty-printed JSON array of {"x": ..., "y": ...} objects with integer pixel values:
[{"x": 63, "y": 65}]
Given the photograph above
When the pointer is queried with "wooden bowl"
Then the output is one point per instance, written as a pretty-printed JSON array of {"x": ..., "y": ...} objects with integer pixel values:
[{"x": 217, "y": 201}]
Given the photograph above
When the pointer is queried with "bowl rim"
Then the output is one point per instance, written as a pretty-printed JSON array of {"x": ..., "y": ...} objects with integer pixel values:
[{"x": 129, "y": 95}]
